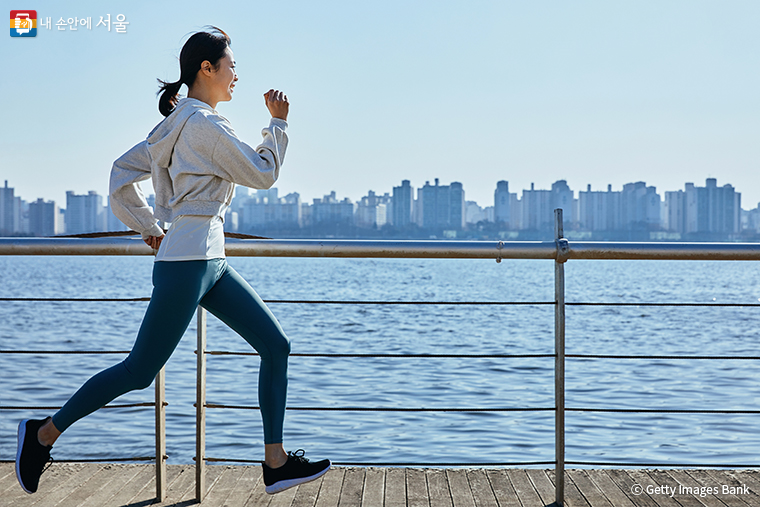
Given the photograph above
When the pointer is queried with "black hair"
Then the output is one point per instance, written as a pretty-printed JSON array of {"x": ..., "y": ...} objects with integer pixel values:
[{"x": 201, "y": 46}]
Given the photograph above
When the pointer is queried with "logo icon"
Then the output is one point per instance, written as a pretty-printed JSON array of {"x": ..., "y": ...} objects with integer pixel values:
[{"x": 23, "y": 23}]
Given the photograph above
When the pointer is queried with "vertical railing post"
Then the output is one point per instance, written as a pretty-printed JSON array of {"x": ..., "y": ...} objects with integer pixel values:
[
  {"x": 200, "y": 410},
  {"x": 559, "y": 360},
  {"x": 161, "y": 435}
]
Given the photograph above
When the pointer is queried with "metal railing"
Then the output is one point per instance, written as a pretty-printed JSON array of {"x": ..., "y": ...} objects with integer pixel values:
[{"x": 560, "y": 250}]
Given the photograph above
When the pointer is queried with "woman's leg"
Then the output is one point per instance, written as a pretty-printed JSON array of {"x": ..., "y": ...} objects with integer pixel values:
[
  {"x": 236, "y": 304},
  {"x": 178, "y": 287}
]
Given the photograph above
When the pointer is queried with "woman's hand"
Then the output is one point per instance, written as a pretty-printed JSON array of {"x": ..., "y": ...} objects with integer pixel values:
[
  {"x": 277, "y": 103},
  {"x": 154, "y": 241}
]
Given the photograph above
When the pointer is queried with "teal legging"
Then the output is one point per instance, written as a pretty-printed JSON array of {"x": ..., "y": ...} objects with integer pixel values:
[{"x": 178, "y": 288}]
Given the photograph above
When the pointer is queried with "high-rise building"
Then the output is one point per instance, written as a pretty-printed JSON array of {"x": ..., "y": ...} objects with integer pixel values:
[
  {"x": 442, "y": 206},
  {"x": 265, "y": 208},
  {"x": 330, "y": 210},
  {"x": 371, "y": 211},
  {"x": 10, "y": 211},
  {"x": 599, "y": 211},
  {"x": 711, "y": 209},
  {"x": 537, "y": 209},
  {"x": 403, "y": 205},
  {"x": 639, "y": 206},
  {"x": 84, "y": 213},
  {"x": 43, "y": 218},
  {"x": 502, "y": 204}
]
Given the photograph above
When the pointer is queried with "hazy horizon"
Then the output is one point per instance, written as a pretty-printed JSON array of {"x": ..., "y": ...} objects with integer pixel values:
[{"x": 591, "y": 92}]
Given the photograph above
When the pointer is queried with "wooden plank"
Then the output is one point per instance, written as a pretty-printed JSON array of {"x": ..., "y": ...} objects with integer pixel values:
[
  {"x": 749, "y": 477},
  {"x": 138, "y": 482},
  {"x": 332, "y": 482},
  {"x": 686, "y": 499},
  {"x": 438, "y": 488},
  {"x": 544, "y": 485},
  {"x": 609, "y": 489},
  {"x": 684, "y": 480},
  {"x": 588, "y": 488},
  {"x": 224, "y": 485},
  {"x": 8, "y": 482},
  {"x": 213, "y": 473},
  {"x": 461, "y": 494},
  {"x": 175, "y": 490},
  {"x": 13, "y": 494},
  {"x": 374, "y": 487},
  {"x": 395, "y": 487},
  {"x": 63, "y": 489},
  {"x": 654, "y": 487},
  {"x": 628, "y": 484},
  {"x": 81, "y": 493},
  {"x": 7, "y": 476},
  {"x": 249, "y": 480},
  {"x": 741, "y": 495},
  {"x": 353, "y": 485},
  {"x": 416, "y": 488},
  {"x": 259, "y": 496},
  {"x": 480, "y": 487},
  {"x": 120, "y": 476},
  {"x": 56, "y": 475},
  {"x": 307, "y": 493},
  {"x": 502, "y": 488},
  {"x": 524, "y": 487},
  {"x": 283, "y": 498}
]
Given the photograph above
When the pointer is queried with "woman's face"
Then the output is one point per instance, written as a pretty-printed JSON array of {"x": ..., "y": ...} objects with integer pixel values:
[{"x": 223, "y": 79}]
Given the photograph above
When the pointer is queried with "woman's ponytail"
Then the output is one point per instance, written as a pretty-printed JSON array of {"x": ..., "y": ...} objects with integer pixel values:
[
  {"x": 200, "y": 47},
  {"x": 169, "y": 97}
]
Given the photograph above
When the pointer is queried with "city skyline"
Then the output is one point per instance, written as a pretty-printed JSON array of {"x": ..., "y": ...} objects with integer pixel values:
[
  {"x": 709, "y": 212},
  {"x": 148, "y": 189}
]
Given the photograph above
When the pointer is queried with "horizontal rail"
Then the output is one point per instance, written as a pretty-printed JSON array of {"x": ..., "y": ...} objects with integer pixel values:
[
  {"x": 384, "y": 409},
  {"x": 612, "y": 356},
  {"x": 431, "y": 356},
  {"x": 64, "y": 352},
  {"x": 661, "y": 411},
  {"x": 399, "y": 464},
  {"x": 127, "y": 405},
  {"x": 661, "y": 464},
  {"x": 93, "y": 460},
  {"x": 496, "y": 250}
]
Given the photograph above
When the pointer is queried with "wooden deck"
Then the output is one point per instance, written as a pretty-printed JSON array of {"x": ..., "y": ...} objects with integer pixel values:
[{"x": 90, "y": 485}]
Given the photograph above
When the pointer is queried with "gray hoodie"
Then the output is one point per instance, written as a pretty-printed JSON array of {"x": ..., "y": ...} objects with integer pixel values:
[{"x": 194, "y": 159}]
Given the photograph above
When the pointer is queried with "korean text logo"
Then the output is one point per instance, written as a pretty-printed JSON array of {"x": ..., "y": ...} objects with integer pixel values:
[{"x": 23, "y": 23}]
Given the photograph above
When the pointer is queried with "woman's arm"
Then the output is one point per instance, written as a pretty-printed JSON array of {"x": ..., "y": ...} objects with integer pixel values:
[
  {"x": 255, "y": 167},
  {"x": 125, "y": 196}
]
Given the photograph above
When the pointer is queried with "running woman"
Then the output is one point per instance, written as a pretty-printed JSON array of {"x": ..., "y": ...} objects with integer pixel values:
[{"x": 194, "y": 159}]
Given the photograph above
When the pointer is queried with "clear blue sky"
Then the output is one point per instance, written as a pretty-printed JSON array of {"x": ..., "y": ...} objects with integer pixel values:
[{"x": 588, "y": 91}]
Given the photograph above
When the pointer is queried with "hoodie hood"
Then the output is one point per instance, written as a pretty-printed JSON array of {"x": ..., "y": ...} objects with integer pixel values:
[{"x": 163, "y": 137}]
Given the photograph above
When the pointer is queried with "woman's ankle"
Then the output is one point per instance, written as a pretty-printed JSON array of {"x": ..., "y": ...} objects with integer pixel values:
[
  {"x": 48, "y": 433},
  {"x": 275, "y": 455}
]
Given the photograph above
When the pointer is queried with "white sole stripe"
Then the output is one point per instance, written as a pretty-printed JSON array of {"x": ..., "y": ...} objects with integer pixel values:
[{"x": 21, "y": 437}]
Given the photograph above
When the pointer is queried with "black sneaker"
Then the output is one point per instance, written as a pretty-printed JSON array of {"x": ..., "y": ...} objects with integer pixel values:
[
  {"x": 295, "y": 471},
  {"x": 31, "y": 455}
]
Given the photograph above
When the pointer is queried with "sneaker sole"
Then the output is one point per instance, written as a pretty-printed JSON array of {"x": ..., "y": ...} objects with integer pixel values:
[
  {"x": 21, "y": 437},
  {"x": 283, "y": 485}
]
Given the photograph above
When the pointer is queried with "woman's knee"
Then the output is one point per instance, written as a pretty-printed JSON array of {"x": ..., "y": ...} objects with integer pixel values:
[
  {"x": 138, "y": 378},
  {"x": 277, "y": 349}
]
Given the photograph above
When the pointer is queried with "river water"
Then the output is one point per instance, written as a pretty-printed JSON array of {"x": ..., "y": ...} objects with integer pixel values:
[{"x": 410, "y": 437}]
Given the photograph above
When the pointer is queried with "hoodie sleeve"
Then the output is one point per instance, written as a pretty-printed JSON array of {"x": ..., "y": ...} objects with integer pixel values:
[
  {"x": 251, "y": 167},
  {"x": 125, "y": 196}
]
